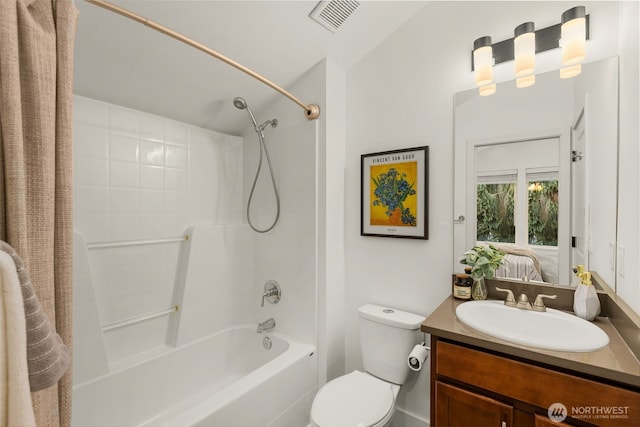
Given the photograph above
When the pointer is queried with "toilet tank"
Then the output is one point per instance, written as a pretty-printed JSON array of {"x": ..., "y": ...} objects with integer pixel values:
[{"x": 387, "y": 336}]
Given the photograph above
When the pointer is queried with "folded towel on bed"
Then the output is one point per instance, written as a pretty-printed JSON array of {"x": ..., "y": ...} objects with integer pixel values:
[
  {"x": 48, "y": 357},
  {"x": 15, "y": 399}
]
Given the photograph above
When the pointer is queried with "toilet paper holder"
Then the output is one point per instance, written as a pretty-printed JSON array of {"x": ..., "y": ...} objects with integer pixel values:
[{"x": 418, "y": 356}]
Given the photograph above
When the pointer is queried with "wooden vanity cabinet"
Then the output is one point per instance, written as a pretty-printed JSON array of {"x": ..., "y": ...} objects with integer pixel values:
[
  {"x": 473, "y": 387},
  {"x": 458, "y": 407}
]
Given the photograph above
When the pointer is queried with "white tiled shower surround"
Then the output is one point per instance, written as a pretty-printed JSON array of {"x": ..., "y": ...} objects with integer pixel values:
[
  {"x": 136, "y": 177},
  {"x": 139, "y": 176}
]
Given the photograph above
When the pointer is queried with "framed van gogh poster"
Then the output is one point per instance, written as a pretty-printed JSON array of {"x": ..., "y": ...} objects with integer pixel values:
[{"x": 394, "y": 193}]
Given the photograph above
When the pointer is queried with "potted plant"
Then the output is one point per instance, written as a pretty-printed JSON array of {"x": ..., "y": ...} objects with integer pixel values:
[{"x": 483, "y": 260}]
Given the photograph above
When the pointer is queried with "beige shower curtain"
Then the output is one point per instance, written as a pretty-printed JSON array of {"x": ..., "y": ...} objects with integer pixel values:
[{"x": 36, "y": 74}]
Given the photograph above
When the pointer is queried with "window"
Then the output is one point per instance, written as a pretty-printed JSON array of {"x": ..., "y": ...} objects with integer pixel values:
[
  {"x": 495, "y": 208},
  {"x": 507, "y": 211},
  {"x": 543, "y": 208}
]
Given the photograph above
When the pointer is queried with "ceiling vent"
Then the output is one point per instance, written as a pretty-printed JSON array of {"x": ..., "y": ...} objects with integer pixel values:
[{"x": 332, "y": 14}]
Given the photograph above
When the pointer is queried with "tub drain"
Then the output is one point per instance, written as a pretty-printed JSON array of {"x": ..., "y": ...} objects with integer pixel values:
[{"x": 266, "y": 342}]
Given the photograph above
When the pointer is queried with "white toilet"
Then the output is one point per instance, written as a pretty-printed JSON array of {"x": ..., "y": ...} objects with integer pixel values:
[{"x": 368, "y": 399}]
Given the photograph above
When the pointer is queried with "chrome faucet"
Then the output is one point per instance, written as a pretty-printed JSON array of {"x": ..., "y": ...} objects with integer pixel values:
[{"x": 267, "y": 325}]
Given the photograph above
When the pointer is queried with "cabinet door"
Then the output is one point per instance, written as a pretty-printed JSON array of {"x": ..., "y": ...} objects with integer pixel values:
[{"x": 456, "y": 407}]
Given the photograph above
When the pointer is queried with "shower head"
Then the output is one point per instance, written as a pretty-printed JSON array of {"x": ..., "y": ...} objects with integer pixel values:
[{"x": 240, "y": 103}]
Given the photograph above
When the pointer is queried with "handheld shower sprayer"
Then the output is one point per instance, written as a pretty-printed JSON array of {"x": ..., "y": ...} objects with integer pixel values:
[{"x": 241, "y": 104}]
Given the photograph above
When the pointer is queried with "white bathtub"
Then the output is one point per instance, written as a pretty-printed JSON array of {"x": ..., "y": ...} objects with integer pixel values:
[{"x": 227, "y": 379}]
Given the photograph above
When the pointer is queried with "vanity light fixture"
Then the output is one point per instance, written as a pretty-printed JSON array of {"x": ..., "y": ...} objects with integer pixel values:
[
  {"x": 570, "y": 34},
  {"x": 573, "y": 36},
  {"x": 483, "y": 63},
  {"x": 524, "y": 49}
]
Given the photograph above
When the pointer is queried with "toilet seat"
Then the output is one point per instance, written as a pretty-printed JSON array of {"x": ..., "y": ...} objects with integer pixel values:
[{"x": 356, "y": 399}]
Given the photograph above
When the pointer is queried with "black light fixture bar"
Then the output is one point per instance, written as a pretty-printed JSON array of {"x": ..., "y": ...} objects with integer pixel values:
[{"x": 546, "y": 39}]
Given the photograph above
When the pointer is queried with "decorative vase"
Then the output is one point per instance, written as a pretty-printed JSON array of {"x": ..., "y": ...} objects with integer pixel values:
[
  {"x": 396, "y": 217},
  {"x": 479, "y": 290}
]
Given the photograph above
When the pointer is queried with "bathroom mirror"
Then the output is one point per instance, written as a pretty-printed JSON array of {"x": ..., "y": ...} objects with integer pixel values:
[{"x": 536, "y": 174}]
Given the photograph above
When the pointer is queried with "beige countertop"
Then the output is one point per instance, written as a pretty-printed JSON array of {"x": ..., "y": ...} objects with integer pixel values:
[{"x": 615, "y": 362}]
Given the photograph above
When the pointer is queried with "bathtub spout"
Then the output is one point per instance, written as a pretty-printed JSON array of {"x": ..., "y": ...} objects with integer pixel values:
[{"x": 267, "y": 325}]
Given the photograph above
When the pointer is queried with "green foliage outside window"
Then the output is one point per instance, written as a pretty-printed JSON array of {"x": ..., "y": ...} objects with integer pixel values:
[
  {"x": 495, "y": 213},
  {"x": 543, "y": 213}
]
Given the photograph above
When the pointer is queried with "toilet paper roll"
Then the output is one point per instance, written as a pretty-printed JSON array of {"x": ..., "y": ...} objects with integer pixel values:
[{"x": 417, "y": 357}]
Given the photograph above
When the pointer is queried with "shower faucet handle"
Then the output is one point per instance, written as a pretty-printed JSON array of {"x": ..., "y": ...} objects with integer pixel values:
[{"x": 272, "y": 292}]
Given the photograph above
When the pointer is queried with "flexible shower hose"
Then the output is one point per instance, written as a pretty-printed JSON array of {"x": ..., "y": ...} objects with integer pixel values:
[{"x": 262, "y": 146}]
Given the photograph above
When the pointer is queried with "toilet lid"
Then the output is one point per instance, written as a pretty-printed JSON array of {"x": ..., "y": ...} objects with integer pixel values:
[{"x": 356, "y": 399}]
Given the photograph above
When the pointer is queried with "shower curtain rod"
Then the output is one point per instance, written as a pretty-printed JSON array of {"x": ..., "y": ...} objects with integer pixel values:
[{"x": 311, "y": 111}]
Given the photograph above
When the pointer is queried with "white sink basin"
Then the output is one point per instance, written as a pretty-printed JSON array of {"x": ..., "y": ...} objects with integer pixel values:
[{"x": 550, "y": 330}]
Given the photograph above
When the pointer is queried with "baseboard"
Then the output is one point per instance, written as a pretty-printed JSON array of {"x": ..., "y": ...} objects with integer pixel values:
[{"x": 403, "y": 418}]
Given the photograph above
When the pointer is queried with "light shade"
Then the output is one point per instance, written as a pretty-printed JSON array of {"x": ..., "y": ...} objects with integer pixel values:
[
  {"x": 526, "y": 81},
  {"x": 487, "y": 90},
  {"x": 483, "y": 61},
  {"x": 572, "y": 71},
  {"x": 573, "y": 36},
  {"x": 524, "y": 49}
]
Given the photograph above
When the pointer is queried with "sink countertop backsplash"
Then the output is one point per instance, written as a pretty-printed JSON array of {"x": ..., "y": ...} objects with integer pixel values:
[
  {"x": 616, "y": 362},
  {"x": 624, "y": 319}
]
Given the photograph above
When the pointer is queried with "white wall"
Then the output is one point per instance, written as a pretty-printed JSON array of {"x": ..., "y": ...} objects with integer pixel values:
[
  {"x": 628, "y": 285},
  {"x": 331, "y": 231},
  {"x": 288, "y": 253},
  {"x": 596, "y": 91},
  {"x": 400, "y": 95},
  {"x": 305, "y": 251},
  {"x": 139, "y": 176}
]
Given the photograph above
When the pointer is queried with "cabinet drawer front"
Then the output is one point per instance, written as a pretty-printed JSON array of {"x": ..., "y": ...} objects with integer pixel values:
[{"x": 538, "y": 386}]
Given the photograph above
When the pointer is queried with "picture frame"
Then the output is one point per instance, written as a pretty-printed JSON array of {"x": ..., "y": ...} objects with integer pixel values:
[{"x": 394, "y": 193}]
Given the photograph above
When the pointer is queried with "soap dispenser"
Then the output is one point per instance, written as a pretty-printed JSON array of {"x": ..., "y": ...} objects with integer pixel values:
[
  {"x": 585, "y": 299},
  {"x": 578, "y": 271}
]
